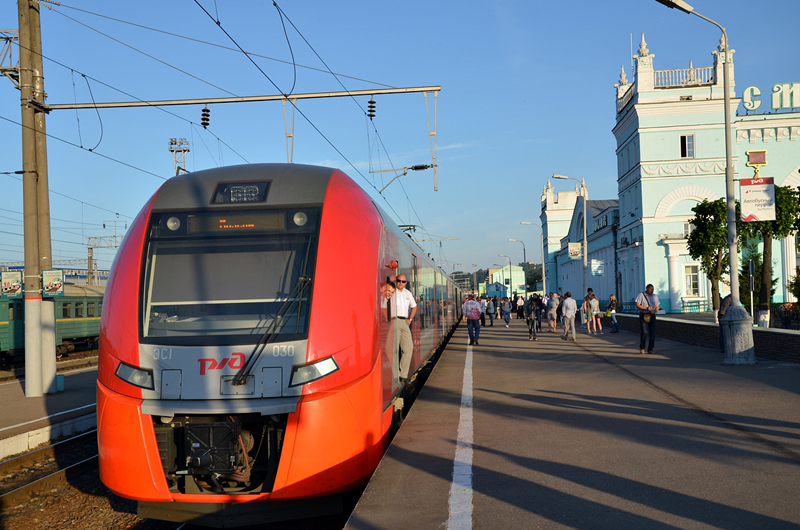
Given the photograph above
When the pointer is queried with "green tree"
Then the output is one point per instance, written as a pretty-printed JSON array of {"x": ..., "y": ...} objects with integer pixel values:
[
  {"x": 794, "y": 284},
  {"x": 787, "y": 213},
  {"x": 751, "y": 252},
  {"x": 708, "y": 242}
]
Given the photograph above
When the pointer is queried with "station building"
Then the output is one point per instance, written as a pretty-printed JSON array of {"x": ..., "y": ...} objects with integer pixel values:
[{"x": 670, "y": 156}]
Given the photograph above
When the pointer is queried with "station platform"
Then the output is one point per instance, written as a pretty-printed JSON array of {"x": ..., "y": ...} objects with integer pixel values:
[
  {"x": 26, "y": 423},
  {"x": 591, "y": 435}
]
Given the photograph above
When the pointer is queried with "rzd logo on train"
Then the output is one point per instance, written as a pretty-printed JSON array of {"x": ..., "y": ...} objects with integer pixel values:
[{"x": 236, "y": 360}]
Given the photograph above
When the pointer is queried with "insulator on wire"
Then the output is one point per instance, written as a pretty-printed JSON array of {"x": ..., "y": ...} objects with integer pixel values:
[
  {"x": 206, "y": 115},
  {"x": 371, "y": 108}
]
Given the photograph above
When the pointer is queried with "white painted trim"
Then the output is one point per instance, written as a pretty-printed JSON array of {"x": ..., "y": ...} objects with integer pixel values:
[
  {"x": 30, "y": 440},
  {"x": 460, "y": 504}
]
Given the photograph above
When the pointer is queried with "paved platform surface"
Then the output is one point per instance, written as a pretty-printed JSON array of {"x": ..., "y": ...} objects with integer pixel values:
[
  {"x": 22, "y": 415},
  {"x": 591, "y": 435}
]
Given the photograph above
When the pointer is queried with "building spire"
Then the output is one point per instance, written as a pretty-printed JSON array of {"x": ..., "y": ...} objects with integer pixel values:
[
  {"x": 623, "y": 79},
  {"x": 643, "y": 51}
]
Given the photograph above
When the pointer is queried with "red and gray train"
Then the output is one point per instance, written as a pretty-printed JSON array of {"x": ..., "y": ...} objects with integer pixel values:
[{"x": 246, "y": 359}]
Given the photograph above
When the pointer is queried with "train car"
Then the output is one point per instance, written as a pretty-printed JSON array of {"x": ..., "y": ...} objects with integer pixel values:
[
  {"x": 77, "y": 317},
  {"x": 247, "y": 369}
]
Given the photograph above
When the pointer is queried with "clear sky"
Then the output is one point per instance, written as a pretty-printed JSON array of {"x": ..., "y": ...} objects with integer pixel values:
[{"x": 527, "y": 91}]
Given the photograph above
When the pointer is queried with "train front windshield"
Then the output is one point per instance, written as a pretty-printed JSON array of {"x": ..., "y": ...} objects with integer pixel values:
[{"x": 225, "y": 277}]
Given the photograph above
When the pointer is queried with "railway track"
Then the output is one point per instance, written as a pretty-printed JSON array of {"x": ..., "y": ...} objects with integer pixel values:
[{"x": 41, "y": 470}]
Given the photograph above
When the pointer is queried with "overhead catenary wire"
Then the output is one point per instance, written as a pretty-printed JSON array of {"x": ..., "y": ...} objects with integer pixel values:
[
  {"x": 96, "y": 80},
  {"x": 281, "y": 12},
  {"x": 200, "y": 41},
  {"x": 73, "y": 199}
]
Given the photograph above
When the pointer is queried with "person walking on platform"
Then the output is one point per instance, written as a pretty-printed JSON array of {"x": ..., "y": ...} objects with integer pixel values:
[
  {"x": 569, "y": 308},
  {"x": 482, "y": 302},
  {"x": 530, "y": 317},
  {"x": 612, "y": 312},
  {"x": 552, "y": 312},
  {"x": 505, "y": 310},
  {"x": 472, "y": 310},
  {"x": 647, "y": 303},
  {"x": 520, "y": 307},
  {"x": 586, "y": 310},
  {"x": 490, "y": 311},
  {"x": 405, "y": 310},
  {"x": 723, "y": 308},
  {"x": 594, "y": 314}
]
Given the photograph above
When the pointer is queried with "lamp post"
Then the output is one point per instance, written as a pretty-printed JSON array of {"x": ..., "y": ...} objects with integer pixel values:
[
  {"x": 585, "y": 195},
  {"x": 524, "y": 267},
  {"x": 544, "y": 261},
  {"x": 740, "y": 336},
  {"x": 510, "y": 275}
]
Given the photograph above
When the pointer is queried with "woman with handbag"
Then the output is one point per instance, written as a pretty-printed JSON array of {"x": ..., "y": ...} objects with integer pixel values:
[
  {"x": 647, "y": 303},
  {"x": 612, "y": 312}
]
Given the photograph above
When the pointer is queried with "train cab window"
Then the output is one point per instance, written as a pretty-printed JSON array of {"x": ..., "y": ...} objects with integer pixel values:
[
  {"x": 229, "y": 278},
  {"x": 90, "y": 309},
  {"x": 10, "y": 312},
  {"x": 78, "y": 309},
  {"x": 20, "y": 312},
  {"x": 66, "y": 310}
]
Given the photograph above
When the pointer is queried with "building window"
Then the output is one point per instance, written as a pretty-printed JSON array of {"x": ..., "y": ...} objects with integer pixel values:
[
  {"x": 797, "y": 242},
  {"x": 687, "y": 146},
  {"x": 692, "y": 275},
  {"x": 687, "y": 229},
  {"x": 66, "y": 310}
]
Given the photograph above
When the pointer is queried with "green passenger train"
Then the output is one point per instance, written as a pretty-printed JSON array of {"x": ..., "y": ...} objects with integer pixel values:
[{"x": 77, "y": 316}]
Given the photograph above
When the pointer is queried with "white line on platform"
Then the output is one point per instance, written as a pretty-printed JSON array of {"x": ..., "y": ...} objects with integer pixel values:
[
  {"x": 460, "y": 507},
  {"x": 48, "y": 417}
]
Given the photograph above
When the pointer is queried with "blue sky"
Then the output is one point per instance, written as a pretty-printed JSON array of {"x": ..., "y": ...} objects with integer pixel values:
[{"x": 527, "y": 91}]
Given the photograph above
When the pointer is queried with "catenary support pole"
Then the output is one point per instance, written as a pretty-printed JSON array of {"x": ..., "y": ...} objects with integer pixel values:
[
  {"x": 43, "y": 204},
  {"x": 32, "y": 276}
]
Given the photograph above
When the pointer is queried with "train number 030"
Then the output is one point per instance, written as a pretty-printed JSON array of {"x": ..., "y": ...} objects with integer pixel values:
[{"x": 283, "y": 351}]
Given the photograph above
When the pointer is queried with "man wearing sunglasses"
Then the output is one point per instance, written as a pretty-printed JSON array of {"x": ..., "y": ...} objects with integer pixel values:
[{"x": 406, "y": 310}]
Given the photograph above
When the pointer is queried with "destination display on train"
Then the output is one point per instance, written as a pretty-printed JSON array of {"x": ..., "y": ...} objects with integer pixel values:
[{"x": 237, "y": 222}]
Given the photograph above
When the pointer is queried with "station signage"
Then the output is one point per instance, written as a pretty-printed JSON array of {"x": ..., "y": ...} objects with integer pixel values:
[
  {"x": 758, "y": 199},
  {"x": 598, "y": 267},
  {"x": 11, "y": 284},
  {"x": 784, "y": 96},
  {"x": 52, "y": 283}
]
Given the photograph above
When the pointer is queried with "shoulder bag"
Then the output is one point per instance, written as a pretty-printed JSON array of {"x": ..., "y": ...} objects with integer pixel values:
[{"x": 647, "y": 316}]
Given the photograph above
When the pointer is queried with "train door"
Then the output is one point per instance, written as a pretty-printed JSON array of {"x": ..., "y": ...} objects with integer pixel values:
[{"x": 390, "y": 362}]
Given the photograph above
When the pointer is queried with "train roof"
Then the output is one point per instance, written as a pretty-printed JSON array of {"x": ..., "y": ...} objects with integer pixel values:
[
  {"x": 288, "y": 184},
  {"x": 76, "y": 291}
]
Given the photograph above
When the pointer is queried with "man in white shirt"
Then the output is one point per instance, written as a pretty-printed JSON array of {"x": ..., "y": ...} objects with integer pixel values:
[
  {"x": 569, "y": 308},
  {"x": 405, "y": 311},
  {"x": 647, "y": 303}
]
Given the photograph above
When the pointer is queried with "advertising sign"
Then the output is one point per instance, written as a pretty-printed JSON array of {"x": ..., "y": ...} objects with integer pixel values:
[
  {"x": 574, "y": 251},
  {"x": 758, "y": 199},
  {"x": 11, "y": 282},
  {"x": 598, "y": 267},
  {"x": 52, "y": 283}
]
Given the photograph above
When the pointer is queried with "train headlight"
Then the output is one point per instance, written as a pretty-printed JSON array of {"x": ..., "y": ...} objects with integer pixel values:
[
  {"x": 311, "y": 372},
  {"x": 300, "y": 218},
  {"x": 173, "y": 223},
  {"x": 135, "y": 376}
]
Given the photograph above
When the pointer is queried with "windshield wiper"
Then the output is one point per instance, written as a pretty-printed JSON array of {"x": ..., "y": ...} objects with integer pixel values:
[{"x": 295, "y": 298}]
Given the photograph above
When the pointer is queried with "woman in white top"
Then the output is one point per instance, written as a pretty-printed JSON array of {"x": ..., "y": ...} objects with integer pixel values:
[{"x": 595, "y": 327}]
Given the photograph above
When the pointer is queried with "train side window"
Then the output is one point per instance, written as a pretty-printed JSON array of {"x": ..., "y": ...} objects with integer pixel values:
[
  {"x": 100, "y": 308},
  {"x": 20, "y": 312},
  {"x": 90, "y": 309},
  {"x": 66, "y": 310},
  {"x": 10, "y": 312},
  {"x": 78, "y": 309}
]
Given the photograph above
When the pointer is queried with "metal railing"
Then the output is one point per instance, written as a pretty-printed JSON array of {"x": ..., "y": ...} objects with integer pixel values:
[{"x": 684, "y": 77}]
